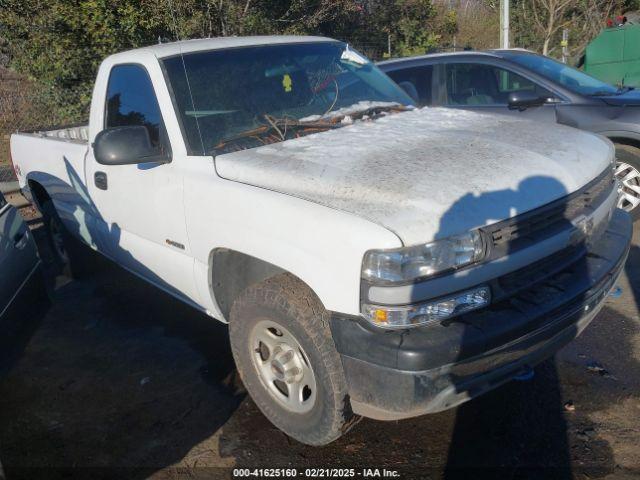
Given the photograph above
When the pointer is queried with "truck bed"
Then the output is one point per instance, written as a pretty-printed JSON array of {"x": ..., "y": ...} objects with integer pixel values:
[
  {"x": 53, "y": 158},
  {"x": 79, "y": 134}
]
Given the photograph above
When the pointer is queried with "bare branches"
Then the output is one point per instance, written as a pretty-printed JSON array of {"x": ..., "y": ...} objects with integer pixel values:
[
  {"x": 549, "y": 16},
  {"x": 589, "y": 21}
]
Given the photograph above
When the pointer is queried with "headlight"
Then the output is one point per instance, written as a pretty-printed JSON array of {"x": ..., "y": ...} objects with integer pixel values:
[
  {"x": 423, "y": 313},
  {"x": 410, "y": 263}
]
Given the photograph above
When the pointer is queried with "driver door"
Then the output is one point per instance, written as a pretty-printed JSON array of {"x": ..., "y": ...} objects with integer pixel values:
[{"x": 141, "y": 205}]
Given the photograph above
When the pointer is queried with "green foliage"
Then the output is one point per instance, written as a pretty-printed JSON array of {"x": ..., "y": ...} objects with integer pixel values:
[
  {"x": 414, "y": 27},
  {"x": 59, "y": 44},
  {"x": 450, "y": 22},
  {"x": 418, "y": 44},
  {"x": 631, "y": 5}
]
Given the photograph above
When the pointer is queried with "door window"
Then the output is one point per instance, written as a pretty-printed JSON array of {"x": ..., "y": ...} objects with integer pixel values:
[
  {"x": 477, "y": 84},
  {"x": 508, "y": 81},
  {"x": 419, "y": 77},
  {"x": 131, "y": 101}
]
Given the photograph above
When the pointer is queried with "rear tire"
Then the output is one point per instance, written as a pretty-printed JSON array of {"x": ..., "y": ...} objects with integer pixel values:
[
  {"x": 70, "y": 256},
  {"x": 288, "y": 362},
  {"x": 628, "y": 172}
]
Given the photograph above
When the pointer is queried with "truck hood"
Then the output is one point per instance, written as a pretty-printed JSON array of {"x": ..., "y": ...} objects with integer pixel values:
[{"x": 427, "y": 173}]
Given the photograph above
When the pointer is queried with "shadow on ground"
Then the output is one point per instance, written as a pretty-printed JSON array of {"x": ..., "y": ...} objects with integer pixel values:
[{"x": 118, "y": 375}]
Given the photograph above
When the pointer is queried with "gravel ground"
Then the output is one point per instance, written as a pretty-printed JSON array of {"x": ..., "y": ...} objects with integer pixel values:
[
  {"x": 120, "y": 380},
  {"x": 6, "y": 173}
]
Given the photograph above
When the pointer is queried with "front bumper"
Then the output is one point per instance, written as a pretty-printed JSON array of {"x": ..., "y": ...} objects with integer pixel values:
[{"x": 401, "y": 374}]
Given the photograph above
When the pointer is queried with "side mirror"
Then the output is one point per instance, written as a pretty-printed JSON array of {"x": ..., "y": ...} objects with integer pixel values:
[
  {"x": 523, "y": 99},
  {"x": 126, "y": 146}
]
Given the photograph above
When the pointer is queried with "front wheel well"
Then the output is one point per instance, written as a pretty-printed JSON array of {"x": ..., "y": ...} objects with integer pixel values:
[
  {"x": 39, "y": 194},
  {"x": 625, "y": 141},
  {"x": 232, "y": 272}
]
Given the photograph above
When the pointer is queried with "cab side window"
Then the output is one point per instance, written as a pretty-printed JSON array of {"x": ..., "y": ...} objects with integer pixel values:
[{"x": 131, "y": 101}]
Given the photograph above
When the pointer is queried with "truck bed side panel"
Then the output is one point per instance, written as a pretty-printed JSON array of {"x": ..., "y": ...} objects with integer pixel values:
[{"x": 58, "y": 165}]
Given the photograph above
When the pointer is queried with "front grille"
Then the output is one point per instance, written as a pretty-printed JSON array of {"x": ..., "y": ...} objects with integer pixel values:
[
  {"x": 515, "y": 282},
  {"x": 547, "y": 293},
  {"x": 515, "y": 233}
]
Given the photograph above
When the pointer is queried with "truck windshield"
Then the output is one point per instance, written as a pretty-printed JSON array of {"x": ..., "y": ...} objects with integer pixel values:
[
  {"x": 242, "y": 98},
  {"x": 569, "y": 77}
]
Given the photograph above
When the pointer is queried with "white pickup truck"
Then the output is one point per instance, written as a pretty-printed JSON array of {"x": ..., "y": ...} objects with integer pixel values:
[{"x": 371, "y": 259}]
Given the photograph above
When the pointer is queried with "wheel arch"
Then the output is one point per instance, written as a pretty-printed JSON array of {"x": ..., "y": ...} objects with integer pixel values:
[
  {"x": 231, "y": 272},
  {"x": 38, "y": 193},
  {"x": 627, "y": 168},
  {"x": 632, "y": 142},
  {"x": 623, "y": 138}
]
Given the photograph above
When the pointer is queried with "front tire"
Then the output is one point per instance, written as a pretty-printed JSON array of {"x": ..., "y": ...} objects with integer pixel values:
[
  {"x": 287, "y": 359},
  {"x": 628, "y": 172}
]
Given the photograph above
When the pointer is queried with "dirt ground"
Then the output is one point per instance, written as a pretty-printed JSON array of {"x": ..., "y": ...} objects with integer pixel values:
[{"x": 119, "y": 380}]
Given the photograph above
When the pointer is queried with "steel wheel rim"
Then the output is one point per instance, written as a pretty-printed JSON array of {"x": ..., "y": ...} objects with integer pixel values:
[
  {"x": 58, "y": 239},
  {"x": 629, "y": 178},
  {"x": 283, "y": 366}
]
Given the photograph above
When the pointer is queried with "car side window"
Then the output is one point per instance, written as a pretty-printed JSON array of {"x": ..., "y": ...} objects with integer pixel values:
[
  {"x": 420, "y": 78},
  {"x": 470, "y": 84},
  {"x": 3, "y": 202},
  {"x": 131, "y": 101},
  {"x": 479, "y": 84},
  {"x": 509, "y": 82}
]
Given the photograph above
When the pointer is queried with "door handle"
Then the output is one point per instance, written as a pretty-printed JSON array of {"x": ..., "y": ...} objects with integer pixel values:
[
  {"x": 100, "y": 180},
  {"x": 20, "y": 240}
]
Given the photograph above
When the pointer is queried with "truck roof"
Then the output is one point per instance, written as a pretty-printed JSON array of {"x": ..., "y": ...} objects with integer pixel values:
[{"x": 169, "y": 49}]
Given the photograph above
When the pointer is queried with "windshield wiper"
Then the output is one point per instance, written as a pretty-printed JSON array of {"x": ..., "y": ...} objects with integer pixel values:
[
  {"x": 275, "y": 130},
  {"x": 280, "y": 129},
  {"x": 604, "y": 93},
  {"x": 373, "y": 112}
]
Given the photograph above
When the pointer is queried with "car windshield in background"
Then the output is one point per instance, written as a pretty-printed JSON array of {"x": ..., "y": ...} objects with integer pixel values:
[
  {"x": 573, "y": 79},
  {"x": 246, "y": 97}
]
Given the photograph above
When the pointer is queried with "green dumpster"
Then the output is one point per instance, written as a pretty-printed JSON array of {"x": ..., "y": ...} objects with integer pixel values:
[{"x": 614, "y": 56}]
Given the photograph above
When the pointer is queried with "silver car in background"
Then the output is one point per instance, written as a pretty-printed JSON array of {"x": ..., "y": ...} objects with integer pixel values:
[{"x": 22, "y": 286}]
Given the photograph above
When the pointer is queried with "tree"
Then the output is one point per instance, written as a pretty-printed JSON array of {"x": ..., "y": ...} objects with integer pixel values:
[
  {"x": 549, "y": 17},
  {"x": 478, "y": 24},
  {"x": 584, "y": 19},
  {"x": 589, "y": 19}
]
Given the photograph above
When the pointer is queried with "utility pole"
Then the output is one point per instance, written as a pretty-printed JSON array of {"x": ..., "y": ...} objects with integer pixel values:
[
  {"x": 504, "y": 23},
  {"x": 565, "y": 45}
]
